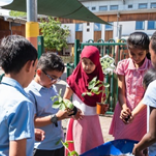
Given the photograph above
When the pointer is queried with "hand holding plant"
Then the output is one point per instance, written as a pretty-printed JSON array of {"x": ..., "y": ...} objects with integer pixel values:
[
  {"x": 63, "y": 104},
  {"x": 95, "y": 86}
]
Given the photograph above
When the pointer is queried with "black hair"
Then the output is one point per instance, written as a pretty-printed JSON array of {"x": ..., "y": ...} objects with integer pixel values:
[
  {"x": 15, "y": 51},
  {"x": 139, "y": 40},
  {"x": 149, "y": 76},
  {"x": 50, "y": 61},
  {"x": 153, "y": 41}
]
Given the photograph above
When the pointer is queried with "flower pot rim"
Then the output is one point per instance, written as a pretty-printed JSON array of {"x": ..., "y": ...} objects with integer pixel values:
[{"x": 100, "y": 103}]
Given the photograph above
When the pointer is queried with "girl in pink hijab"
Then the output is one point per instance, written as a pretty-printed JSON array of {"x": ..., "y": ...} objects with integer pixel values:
[{"x": 86, "y": 133}]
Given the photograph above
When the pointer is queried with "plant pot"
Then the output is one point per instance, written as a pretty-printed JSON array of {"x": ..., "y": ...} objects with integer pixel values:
[
  {"x": 75, "y": 111},
  {"x": 101, "y": 108}
]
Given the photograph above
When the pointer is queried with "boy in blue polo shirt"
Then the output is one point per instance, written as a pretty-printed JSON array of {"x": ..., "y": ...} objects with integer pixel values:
[
  {"x": 50, "y": 67},
  {"x": 18, "y": 59}
]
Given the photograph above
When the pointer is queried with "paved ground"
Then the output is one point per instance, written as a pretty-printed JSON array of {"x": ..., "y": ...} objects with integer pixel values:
[{"x": 105, "y": 120}]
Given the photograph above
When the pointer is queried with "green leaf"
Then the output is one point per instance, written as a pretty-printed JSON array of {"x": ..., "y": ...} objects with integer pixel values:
[
  {"x": 60, "y": 99},
  {"x": 56, "y": 104},
  {"x": 106, "y": 85},
  {"x": 70, "y": 141},
  {"x": 53, "y": 98},
  {"x": 92, "y": 83},
  {"x": 58, "y": 142},
  {"x": 89, "y": 94},
  {"x": 95, "y": 89},
  {"x": 73, "y": 153},
  {"x": 65, "y": 144},
  {"x": 68, "y": 104},
  {"x": 62, "y": 106},
  {"x": 83, "y": 94}
]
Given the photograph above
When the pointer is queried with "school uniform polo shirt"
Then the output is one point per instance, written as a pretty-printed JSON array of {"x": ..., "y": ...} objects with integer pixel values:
[
  {"x": 16, "y": 116},
  {"x": 41, "y": 98}
]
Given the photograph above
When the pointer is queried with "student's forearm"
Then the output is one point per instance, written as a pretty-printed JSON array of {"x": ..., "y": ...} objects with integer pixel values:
[
  {"x": 146, "y": 141},
  {"x": 122, "y": 100},
  {"x": 17, "y": 148},
  {"x": 138, "y": 108},
  {"x": 43, "y": 121}
]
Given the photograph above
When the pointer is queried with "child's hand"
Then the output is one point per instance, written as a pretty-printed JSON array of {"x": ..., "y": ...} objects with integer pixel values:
[
  {"x": 39, "y": 134},
  {"x": 131, "y": 117},
  {"x": 125, "y": 114},
  {"x": 78, "y": 115},
  {"x": 63, "y": 114},
  {"x": 137, "y": 152}
]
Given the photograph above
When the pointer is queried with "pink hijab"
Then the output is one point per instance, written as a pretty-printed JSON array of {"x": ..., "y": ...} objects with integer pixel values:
[{"x": 79, "y": 80}]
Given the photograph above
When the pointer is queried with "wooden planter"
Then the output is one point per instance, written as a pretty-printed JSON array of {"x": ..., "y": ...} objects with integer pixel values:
[{"x": 101, "y": 108}]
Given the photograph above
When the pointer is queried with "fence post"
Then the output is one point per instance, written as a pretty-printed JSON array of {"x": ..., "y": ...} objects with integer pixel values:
[
  {"x": 76, "y": 53},
  {"x": 40, "y": 46}
]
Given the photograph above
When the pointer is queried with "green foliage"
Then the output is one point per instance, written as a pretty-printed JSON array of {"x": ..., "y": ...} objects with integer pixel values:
[
  {"x": 17, "y": 14},
  {"x": 54, "y": 35},
  {"x": 61, "y": 103},
  {"x": 66, "y": 145},
  {"x": 107, "y": 64},
  {"x": 94, "y": 87}
]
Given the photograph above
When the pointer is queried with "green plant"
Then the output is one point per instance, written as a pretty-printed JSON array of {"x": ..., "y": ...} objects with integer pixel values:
[
  {"x": 107, "y": 64},
  {"x": 94, "y": 87},
  {"x": 66, "y": 145},
  {"x": 62, "y": 104},
  {"x": 17, "y": 14},
  {"x": 55, "y": 37}
]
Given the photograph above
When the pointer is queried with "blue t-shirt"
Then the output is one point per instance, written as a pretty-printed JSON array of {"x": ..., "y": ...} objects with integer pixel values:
[
  {"x": 41, "y": 98},
  {"x": 16, "y": 116},
  {"x": 150, "y": 100}
]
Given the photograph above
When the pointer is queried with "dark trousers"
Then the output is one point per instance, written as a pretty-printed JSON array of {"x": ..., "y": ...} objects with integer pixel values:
[{"x": 57, "y": 152}]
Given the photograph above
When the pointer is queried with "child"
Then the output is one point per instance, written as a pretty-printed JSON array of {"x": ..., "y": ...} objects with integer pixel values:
[
  {"x": 130, "y": 74},
  {"x": 86, "y": 133},
  {"x": 149, "y": 140},
  {"x": 49, "y": 70},
  {"x": 18, "y": 59}
]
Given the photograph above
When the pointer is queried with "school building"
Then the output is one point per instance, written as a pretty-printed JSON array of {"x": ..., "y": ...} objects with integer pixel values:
[{"x": 132, "y": 15}]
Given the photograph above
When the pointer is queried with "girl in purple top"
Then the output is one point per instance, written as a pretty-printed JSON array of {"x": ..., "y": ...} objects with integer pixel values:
[{"x": 130, "y": 75}]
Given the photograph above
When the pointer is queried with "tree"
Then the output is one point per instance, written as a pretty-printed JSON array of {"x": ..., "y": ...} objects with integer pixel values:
[
  {"x": 17, "y": 14},
  {"x": 55, "y": 37}
]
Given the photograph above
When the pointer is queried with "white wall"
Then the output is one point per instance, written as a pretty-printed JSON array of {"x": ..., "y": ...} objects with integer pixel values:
[
  {"x": 129, "y": 27},
  {"x": 88, "y": 35},
  {"x": 120, "y": 4}
]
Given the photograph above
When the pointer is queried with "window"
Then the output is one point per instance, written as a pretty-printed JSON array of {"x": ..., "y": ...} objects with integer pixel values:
[
  {"x": 114, "y": 7},
  {"x": 102, "y": 8},
  {"x": 88, "y": 29},
  {"x": 151, "y": 25},
  {"x": 79, "y": 27},
  {"x": 130, "y": 6},
  {"x": 142, "y": 5},
  {"x": 109, "y": 27},
  {"x": 140, "y": 25},
  {"x": 97, "y": 27},
  {"x": 88, "y": 23},
  {"x": 153, "y": 5},
  {"x": 93, "y": 8}
]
